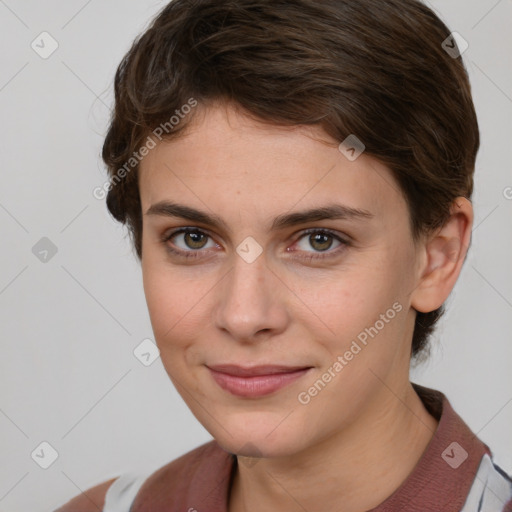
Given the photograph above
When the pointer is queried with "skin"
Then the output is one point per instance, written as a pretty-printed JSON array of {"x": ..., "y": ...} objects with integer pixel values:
[{"x": 357, "y": 440}]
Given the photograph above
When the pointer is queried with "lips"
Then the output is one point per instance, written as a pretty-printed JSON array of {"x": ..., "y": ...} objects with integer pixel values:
[
  {"x": 252, "y": 371},
  {"x": 255, "y": 381}
]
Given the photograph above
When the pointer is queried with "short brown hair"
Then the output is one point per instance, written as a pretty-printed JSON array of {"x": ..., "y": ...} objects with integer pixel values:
[{"x": 366, "y": 67}]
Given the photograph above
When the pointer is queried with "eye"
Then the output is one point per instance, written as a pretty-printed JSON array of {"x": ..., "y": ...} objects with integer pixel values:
[
  {"x": 189, "y": 242},
  {"x": 321, "y": 241}
]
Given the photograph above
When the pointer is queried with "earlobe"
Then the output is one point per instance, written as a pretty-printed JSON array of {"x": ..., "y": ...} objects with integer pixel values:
[{"x": 445, "y": 253}]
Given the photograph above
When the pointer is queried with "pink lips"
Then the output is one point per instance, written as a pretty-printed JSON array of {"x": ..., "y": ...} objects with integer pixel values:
[{"x": 257, "y": 380}]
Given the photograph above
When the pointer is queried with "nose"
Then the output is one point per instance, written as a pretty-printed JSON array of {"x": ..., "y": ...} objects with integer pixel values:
[{"x": 251, "y": 302}]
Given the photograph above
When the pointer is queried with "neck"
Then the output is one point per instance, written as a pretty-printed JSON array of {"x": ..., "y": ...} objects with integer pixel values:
[{"x": 359, "y": 467}]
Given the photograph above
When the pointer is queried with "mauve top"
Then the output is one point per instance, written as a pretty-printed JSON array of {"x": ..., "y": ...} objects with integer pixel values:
[{"x": 455, "y": 473}]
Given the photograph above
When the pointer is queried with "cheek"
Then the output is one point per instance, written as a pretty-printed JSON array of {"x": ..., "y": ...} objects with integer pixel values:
[
  {"x": 168, "y": 299},
  {"x": 167, "y": 312},
  {"x": 366, "y": 306},
  {"x": 178, "y": 309}
]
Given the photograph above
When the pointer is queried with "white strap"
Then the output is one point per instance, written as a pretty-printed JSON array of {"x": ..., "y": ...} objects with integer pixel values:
[
  {"x": 490, "y": 489},
  {"x": 122, "y": 492}
]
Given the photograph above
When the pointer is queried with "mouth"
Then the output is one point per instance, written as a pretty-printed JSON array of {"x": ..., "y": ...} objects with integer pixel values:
[{"x": 255, "y": 381}]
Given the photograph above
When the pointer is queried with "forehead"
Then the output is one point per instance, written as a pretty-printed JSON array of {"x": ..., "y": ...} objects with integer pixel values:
[{"x": 226, "y": 156}]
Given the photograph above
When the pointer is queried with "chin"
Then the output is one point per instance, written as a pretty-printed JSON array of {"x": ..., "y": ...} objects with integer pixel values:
[{"x": 265, "y": 436}]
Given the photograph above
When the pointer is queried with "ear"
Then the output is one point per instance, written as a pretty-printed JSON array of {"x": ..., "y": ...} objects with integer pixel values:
[{"x": 443, "y": 256}]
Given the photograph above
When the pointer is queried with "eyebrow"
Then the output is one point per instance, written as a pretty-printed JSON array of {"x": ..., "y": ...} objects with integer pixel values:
[{"x": 327, "y": 212}]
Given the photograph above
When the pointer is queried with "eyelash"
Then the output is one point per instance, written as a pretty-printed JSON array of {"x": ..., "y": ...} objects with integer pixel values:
[{"x": 314, "y": 256}]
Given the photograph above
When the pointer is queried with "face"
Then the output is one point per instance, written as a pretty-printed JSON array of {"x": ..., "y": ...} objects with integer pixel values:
[{"x": 237, "y": 273}]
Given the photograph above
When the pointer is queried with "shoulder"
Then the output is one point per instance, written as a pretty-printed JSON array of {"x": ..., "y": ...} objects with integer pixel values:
[
  {"x": 163, "y": 484},
  {"x": 491, "y": 490},
  {"x": 91, "y": 500},
  {"x": 184, "y": 468},
  {"x": 203, "y": 472}
]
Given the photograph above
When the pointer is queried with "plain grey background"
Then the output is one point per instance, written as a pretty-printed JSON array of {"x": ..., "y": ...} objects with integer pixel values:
[{"x": 69, "y": 324}]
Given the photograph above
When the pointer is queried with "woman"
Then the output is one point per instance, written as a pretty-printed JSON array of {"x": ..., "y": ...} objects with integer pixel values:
[{"x": 296, "y": 177}]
